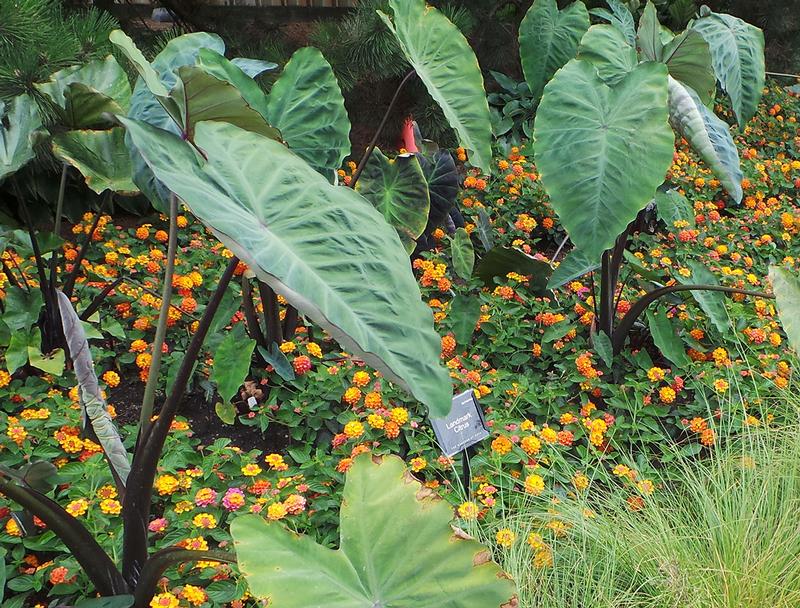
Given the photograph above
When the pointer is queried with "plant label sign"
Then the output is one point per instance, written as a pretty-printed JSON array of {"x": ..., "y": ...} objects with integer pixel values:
[{"x": 463, "y": 427}]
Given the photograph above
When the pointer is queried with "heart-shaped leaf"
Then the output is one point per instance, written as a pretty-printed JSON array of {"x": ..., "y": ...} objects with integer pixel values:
[
  {"x": 617, "y": 143},
  {"x": 103, "y": 76},
  {"x": 707, "y": 134},
  {"x": 200, "y": 96},
  {"x": 620, "y": 17},
  {"x": 101, "y": 156},
  {"x": 301, "y": 236},
  {"x": 688, "y": 58},
  {"x": 737, "y": 53},
  {"x": 18, "y": 125},
  {"x": 605, "y": 47},
  {"x": 447, "y": 65},
  {"x": 216, "y": 65},
  {"x": 548, "y": 38},
  {"x": 648, "y": 36},
  {"x": 382, "y": 504},
  {"x": 307, "y": 107},
  {"x": 443, "y": 184},
  {"x": 398, "y": 189}
]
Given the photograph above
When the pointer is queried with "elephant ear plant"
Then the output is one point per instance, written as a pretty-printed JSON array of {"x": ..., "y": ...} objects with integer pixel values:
[
  {"x": 200, "y": 129},
  {"x": 397, "y": 549},
  {"x": 608, "y": 116},
  {"x": 80, "y": 135}
]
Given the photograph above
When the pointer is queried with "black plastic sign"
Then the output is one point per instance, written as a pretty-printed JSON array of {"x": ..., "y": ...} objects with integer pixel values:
[{"x": 463, "y": 427}]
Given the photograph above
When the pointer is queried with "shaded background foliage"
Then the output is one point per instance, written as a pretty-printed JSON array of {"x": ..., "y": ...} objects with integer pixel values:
[{"x": 39, "y": 37}]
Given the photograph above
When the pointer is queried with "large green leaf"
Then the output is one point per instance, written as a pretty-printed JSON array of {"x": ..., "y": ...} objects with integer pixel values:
[
  {"x": 216, "y": 65},
  {"x": 398, "y": 189},
  {"x": 307, "y": 107},
  {"x": 648, "y": 36},
  {"x": 787, "y": 293},
  {"x": 620, "y": 17},
  {"x": 688, "y": 59},
  {"x": 146, "y": 71},
  {"x": 707, "y": 134},
  {"x": 548, "y": 38},
  {"x": 232, "y": 363},
  {"x": 324, "y": 247},
  {"x": 91, "y": 397},
  {"x": 447, "y": 65},
  {"x": 665, "y": 338},
  {"x": 201, "y": 96},
  {"x": 602, "y": 152},
  {"x": 184, "y": 50},
  {"x": 100, "y": 156},
  {"x": 443, "y": 184},
  {"x": 18, "y": 125},
  {"x": 737, "y": 53},
  {"x": 574, "y": 265},
  {"x": 606, "y": 48},
  {"x": 397, "y": 550},
  {"x": 104, "y": 76}
]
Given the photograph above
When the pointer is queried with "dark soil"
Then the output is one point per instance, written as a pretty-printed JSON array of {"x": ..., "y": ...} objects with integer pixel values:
[{"x": 203, "y": 420}]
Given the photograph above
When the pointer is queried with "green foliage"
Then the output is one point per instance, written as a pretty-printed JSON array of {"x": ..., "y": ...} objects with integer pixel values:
[
  {"x": 19, "y": 124},
  {"x": 382, "y": 503},
  {"x": 83, "y": 93},
  {"x": 787, "y": 292},
  {"x": 707, "y": 134},
  {"x": 271, "y": 209},
  {"x": 90, "y": 396},
  {"x": 101, "y": 157},
  {"x": 606, "y": 48},
  {"x": 436, "y": 49},
  {"x": 398, "y": 189},
  {"x": 548, "y": 38},
  {"x": 232, "y": 363},
  {"x": 737, "y": 53},
  {"x": 617, "y": 142},
  {"x": 38, "y": 38},
  {"x": 716, "y": 533},
  {"x": 307, "y": 106},
  {"x": 462, "y": 253},
  {"x": 512, "y": 110}
]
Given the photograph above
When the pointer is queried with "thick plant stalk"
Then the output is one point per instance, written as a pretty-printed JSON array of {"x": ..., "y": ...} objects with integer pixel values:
[
  {"x": 137, "y": 503},
  {"x": 90, "y": 555},
  {"x": 91, "y": 398},
  {"x": 253, "y": 326},
  {"x": 626, "y": 324},
  {"x": 163, "y": 316},
  {"x": 363, "y": 162},
  {"x": 62, "y": 187},
  {"x": 272, "y": 321}
]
